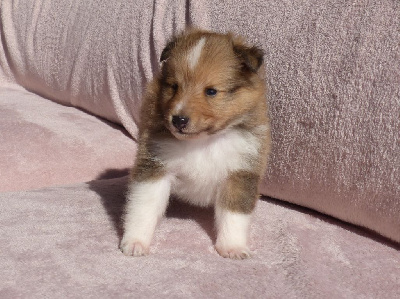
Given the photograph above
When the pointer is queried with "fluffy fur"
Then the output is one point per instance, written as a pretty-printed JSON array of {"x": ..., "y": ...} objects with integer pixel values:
[{"x": 204, "y": 138}]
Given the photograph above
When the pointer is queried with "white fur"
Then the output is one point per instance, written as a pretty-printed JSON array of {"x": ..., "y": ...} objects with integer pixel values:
[
  {"x": 147, "y": 202},
  {"x": 195, "y": 53},
  {"x": 233, "y": 229},
  {"x": 196, "y": 169},
  {"x": 178, "y": 107},
  {"x": 199, "y": 166}
]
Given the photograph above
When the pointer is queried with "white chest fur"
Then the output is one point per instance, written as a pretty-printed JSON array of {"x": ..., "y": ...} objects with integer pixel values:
[{"x": 198, "y": 167}]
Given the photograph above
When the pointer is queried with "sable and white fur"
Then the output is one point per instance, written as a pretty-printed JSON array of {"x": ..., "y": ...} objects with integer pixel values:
[{"x": 204, "y": 137}]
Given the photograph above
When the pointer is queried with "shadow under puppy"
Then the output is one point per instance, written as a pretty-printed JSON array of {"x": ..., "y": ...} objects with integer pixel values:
[{"x": 204, "y": 137}]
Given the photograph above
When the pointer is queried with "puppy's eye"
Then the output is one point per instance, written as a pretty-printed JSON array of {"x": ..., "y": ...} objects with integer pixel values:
[
  {"x": 174, "y": 86},
  {"x": 211, "y": 92}
]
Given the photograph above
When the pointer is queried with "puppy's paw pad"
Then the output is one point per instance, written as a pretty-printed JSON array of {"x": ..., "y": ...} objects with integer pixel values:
[
  {"x": 235, "y": 253},
  {"x": 134, "y": 248}
]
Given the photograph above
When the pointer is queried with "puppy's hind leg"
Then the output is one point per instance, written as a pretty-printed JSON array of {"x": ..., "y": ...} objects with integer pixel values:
[{"x": 146, "y": 204}]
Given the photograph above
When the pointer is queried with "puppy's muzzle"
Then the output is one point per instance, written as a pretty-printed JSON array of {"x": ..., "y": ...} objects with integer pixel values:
[{"x": 180, "y": 122}]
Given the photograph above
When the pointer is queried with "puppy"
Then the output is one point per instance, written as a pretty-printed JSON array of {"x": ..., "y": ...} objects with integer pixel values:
[{"x": 204, "y": 137}]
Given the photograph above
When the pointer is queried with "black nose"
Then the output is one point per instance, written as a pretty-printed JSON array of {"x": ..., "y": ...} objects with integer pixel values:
[{"x": 180, "y": 122}]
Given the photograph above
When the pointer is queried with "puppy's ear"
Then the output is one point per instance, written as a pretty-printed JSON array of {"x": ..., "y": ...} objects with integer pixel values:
[
  {"x": 251, "y": 57},
  {"x": 167, "y": 51}
]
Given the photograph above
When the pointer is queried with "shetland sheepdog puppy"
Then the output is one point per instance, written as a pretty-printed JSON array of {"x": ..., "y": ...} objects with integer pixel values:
[{"x": 204, "y": 138}]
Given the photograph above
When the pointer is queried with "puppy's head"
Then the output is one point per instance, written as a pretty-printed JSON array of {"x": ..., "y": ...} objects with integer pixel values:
[{"x": 209, "y": 82}]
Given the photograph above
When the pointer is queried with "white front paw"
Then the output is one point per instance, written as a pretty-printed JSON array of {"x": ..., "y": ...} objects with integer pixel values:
[
  {"x": 134, "y": 248},
  {"x": 232, "y": 234},
  {"x": 233, "y": 252}
]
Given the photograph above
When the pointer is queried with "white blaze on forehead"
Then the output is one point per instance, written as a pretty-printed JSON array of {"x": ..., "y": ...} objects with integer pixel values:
[{"x": 195, "y": 53}]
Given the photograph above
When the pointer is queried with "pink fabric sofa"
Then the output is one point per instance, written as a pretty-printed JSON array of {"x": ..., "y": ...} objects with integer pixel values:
[{"x": 71, "y": 78}]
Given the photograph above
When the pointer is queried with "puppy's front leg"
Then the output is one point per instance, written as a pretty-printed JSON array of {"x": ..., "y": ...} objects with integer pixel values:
[
  {"x": 233, "y": 212},
  {"x": 147, "y": 202}
]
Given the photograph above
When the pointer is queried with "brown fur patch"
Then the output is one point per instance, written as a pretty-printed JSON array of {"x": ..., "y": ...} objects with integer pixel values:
[
  {"x": 240, "y": 192},
  {"x": 147, "y": 166}
]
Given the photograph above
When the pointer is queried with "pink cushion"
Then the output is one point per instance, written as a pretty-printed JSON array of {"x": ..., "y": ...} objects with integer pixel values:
[
  {"x": 45, "y": 144},
  {"x": 62, "y": 242},
  {"x": 333, "y": 72}
]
